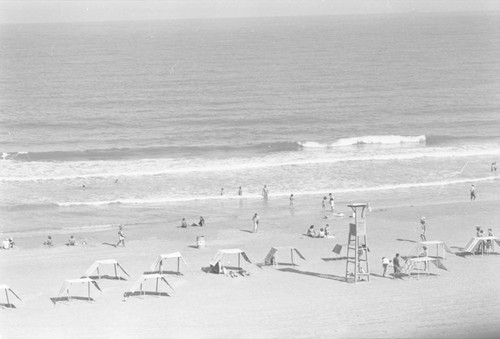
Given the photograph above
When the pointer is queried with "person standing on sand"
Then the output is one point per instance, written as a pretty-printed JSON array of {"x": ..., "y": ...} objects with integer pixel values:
[
  {"x": 472, "y": 193},
  {"x": 291, "y": 201},
  {"x": 332, "y": 203},
  {"x": 202, "y": 222},
  {"x": 323, "y": 203},
  {"x": 255, "y": 222},
  {"x": 423, "y": 227},
  {"x": 265, "y": 192},
  {"x": 121, "y": 237},
  {"x": 397, "y": 266},
  {"x": 240, "y": 191}
]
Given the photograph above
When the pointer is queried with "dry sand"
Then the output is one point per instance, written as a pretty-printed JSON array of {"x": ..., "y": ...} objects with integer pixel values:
[{"x": 306, "y": 301}]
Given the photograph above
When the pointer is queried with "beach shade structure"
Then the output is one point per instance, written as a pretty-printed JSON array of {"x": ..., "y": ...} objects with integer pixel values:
[
  {"x": 414, "y": 265},
  {"x": 440, "y": 247},
  {"x": 159, "y": 263},
  {"x": 482, "y": 245},
  {"x": 7, "y": 289},
  {"x": 216, "y": 264},
  {"x": 64, "y": 292},
  {"x": 271, "y": 256},
  {"x": 95, "y": 268},
  {"x": 138, "y": 288}
]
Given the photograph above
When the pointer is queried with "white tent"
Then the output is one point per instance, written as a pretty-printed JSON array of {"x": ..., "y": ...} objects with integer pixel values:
[
  {"x": 439, "y": 246},
  {"x": 138, "y": 287},
  {"x": 271, "y": 256},
  {"x": 216, "y": 263},
  {"x": 413, "y": 263},
  {"x": 158, "y": 264},
  {"x": 482, "y": 245},
  {"x": 7, "y": 290},
  {"x": 65, "y": 289},
  {"x": 98, "y": 263}
]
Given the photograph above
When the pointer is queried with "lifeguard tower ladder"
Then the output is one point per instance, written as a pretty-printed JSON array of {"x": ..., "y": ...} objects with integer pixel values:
[{"x": 357, "y": 247}]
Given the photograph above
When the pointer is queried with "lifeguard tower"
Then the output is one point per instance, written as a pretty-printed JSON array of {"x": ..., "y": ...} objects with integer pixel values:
[{"x": 356, "y": 268}]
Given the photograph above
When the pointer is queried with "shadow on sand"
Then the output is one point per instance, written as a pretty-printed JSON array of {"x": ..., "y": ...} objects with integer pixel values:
[
  {"x": 105, "y": 276},
  {"x": 107, "y": 243},
  {"x": 7, "y": 305},
  {"x": 314, "y": 274},
  {"x": 406, "y": 240},
  {"x": 334, "y": 259},
  {"x": 139, "y": 294},
  {"x": 163, "y": 272},
  {"x": 67, "y": 299},
  {"x": 248, "y": 231}
]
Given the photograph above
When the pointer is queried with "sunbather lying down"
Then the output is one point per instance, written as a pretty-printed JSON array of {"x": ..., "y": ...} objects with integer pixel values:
[{"x": 241, "y": 272}]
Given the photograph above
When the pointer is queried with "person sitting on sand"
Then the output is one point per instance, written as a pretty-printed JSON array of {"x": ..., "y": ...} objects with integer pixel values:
[
  {"x": 11, "y": 242},
  {"x": 321, "y": 233},
  {"x": 311, "y": 232},
  {"x": 48, "y": 242},
  {"x": 5, "y": 244},
  {"x": 71, "y": 241},
  {"x": 327, "y": 230},
  {"x": 202, "y": 222},
  {"x": 184, "y": 223}
]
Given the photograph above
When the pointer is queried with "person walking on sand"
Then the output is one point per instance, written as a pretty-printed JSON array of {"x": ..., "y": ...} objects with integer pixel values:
[
  {"x": 121, "y": 237},
  {"x": 255, "y": 222},
  {"x": 332, "y": 203},
  {"x": 265, "y": 192},
  {"x": 240, "y": 191},
  {"x": 423, "y": 228},
  {"x": 385, "y": 264},
  {"x": 291, "y": 201},
  {"x": 323, "y": 203},
  {"x": 472, "y": 193}
]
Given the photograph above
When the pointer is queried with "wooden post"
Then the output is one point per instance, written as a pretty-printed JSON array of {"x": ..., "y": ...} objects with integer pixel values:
[
  {"x": 116, "y": 274},
  {"x": 98, "y": 274},
  {"x": 161, "y": 265},
  {"x": 88, "y": 289},
  {"x": 239, "y": 254},
  {"x": 7, "y": 295},
  {"x": 156, "y": 285},
  {"x": 291, "y": 253},
  {"x": 178, "y": 265}
]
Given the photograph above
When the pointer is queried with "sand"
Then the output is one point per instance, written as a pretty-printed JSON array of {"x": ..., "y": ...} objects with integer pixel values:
[{"x": 310, "y": 300}]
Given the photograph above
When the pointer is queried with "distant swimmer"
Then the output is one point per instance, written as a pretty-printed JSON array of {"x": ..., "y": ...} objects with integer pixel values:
[
  {"x": 240, "y": 191},
  {"x": 265, "y": 192},
  {"x": 291, "y": 201},
  {"x": 222, "y": 191},
  {"x": 494, "y": 166},
  {"x": 472, "y": 193},
  {"x": 83, "y": 186},
  {"x": 116, "y": 181}
]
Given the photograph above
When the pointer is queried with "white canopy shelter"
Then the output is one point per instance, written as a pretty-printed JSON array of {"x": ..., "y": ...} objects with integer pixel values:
[
  {"x": 7, "y": 289},
  {"x": 439, "y": 246},
  {"x": 482, "y": 245},
  {"x": 94, "y": 268},
  {"x": 217, "y": 260},
  {"x": 413, "y": 264},
  {"x": 158, "y": 264},
  {"x": 65, "y": 289},
  {"x": 138, "y": 287},
  {"x": 271, "y": 256}
]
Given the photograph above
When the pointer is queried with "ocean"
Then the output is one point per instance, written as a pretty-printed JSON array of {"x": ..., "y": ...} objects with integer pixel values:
[{"x": 117, "y": 118}]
